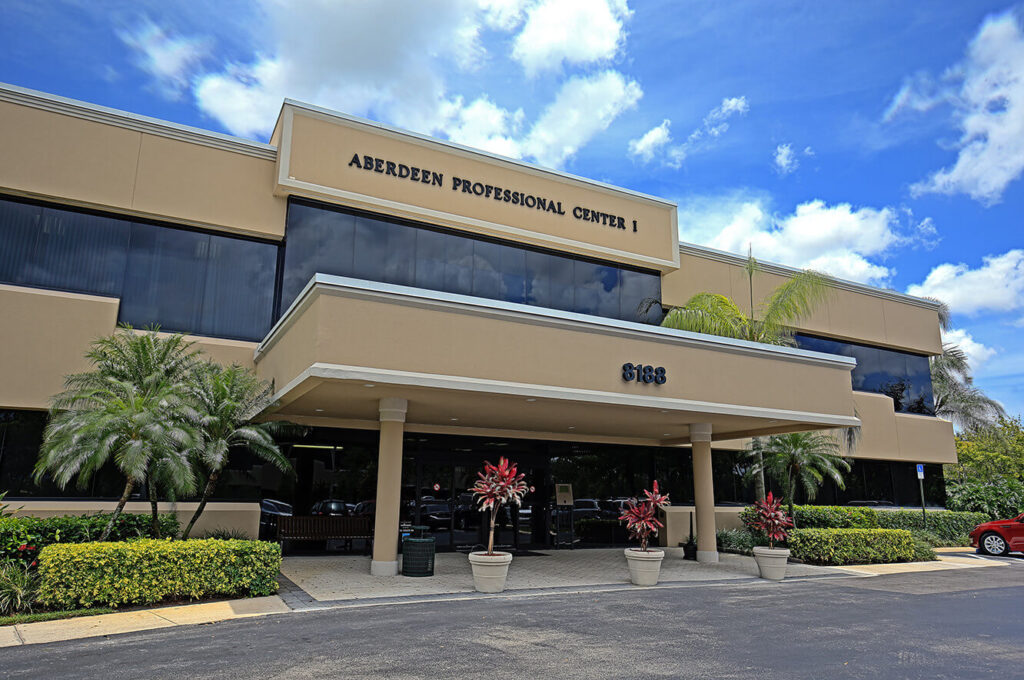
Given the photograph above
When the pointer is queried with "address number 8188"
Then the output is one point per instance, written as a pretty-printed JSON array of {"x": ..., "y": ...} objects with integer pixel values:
[{"x": 644, "y": 374}]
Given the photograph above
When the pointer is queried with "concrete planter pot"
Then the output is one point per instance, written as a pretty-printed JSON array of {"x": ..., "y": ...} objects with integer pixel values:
[
  {"x": 490, "y": 571},
  {"x": 771, "y": 562},
  {"x": 644, "y": 567}
]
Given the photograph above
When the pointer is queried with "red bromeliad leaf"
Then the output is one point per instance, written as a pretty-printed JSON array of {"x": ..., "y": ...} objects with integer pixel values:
[
  {"x": 772, "y": 519},
  {"x": 499, "y": 484},
  {"x": 641, "y": 516}
]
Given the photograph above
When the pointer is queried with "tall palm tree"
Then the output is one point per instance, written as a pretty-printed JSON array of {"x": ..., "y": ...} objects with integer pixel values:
[
  {"x": 803, "y": 459},
  {"x": 137, "y": 385},
  {"x": 140, "y": 428},
  {"x": 956, "y": 397},
  {"x": 770, "y": 322},
  {"x": 225, "y": 402}
]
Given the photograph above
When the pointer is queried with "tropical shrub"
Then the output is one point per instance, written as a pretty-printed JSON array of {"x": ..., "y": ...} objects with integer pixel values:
[
  {"x": 37, "y": 532},
  {"x": 997, "y": 499},
  {"x": 640, "y": 516},
  {"x": 148, "y": 571},
  {"x": 851, "y": 546},
  {"x": 227, "y": 534},
  {"x": 497, "y": 485},
  {"x": 739, "y": 541},
  {"x": 823, "y": 517},
  {"x": 771, "y": 519},
  {"x": 952, "y": 527},
  {"x": 19, "y": 588},
  {"x": 923, "y": 550}
]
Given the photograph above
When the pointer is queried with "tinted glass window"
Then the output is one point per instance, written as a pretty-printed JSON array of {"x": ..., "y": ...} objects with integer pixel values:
[
  {"x": 317, "y": 241},
  {"x": 178, "y": 279},
  {"x": 905, "y": 378}
]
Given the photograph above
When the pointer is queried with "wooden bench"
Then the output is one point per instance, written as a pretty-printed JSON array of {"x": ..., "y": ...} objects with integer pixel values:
[{"x": 291, "y": 528}]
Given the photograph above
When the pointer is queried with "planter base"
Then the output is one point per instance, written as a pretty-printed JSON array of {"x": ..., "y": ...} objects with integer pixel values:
[
  {"x": 644, "y": 567},
  {"x": 490, "y": 571},
  {"x": 771, "y": 562}
]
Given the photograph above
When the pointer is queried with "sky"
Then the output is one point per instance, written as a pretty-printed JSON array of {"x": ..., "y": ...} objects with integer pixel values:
[{"x": 875, "y": 141}]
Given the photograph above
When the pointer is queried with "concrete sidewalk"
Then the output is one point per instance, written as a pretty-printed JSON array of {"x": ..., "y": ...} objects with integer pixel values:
[{"x": 142, "y": 619}]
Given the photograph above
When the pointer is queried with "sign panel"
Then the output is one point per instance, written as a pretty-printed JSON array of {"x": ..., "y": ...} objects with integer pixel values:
[
  {"x": 563, "y": 494},
  {"x": 920, "y": 471}
]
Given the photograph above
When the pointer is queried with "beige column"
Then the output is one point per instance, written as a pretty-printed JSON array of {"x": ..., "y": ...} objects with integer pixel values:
[
  {"x": 703, "y": 492},
  {"x": 389, "y": 487}
]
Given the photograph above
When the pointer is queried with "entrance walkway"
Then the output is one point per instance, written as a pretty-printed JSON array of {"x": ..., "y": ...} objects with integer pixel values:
[{"x": 329, "y": 578}]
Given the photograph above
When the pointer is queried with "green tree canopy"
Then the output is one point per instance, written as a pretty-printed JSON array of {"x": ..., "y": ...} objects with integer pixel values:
[{"x": 800, "y": 460}]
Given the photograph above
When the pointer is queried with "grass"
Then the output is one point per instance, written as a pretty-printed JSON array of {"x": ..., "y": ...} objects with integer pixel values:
[{"x": 51, "y": 616}]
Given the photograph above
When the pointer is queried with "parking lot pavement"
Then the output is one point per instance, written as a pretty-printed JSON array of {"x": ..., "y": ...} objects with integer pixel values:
[{"x": 947, "y": 624}]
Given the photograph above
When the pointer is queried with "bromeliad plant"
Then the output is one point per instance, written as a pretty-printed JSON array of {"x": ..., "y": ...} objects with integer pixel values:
[
  {"x": 641, "y": 516},
  {"x": 498, "y": 484},
  {"x": 772, "y": 519}
]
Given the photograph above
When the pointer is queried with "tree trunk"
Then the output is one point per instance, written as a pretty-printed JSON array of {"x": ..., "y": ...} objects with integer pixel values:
[
  {"x": 792, "y": 490},
  {"x": 154, "y": 525},
  {"x": 759, "y": 490},
  {"x": 207, "y": 492},
  {"x": 117, "y": 511},
  {"x": 490, "y": 539}
]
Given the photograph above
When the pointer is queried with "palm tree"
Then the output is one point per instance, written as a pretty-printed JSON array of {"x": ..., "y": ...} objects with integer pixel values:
[
  {"x": 141, "y": 429},
  {"x": 770, "y": 322},
  {"x": 225, "y": 401},
  {"x": 134, "y": 398},
  {"x": 956, "y": 397},
  {"x": 803, "y": 459}
]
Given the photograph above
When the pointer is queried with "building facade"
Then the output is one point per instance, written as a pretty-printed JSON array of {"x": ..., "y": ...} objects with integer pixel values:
[{"x": 421, "y": 307}]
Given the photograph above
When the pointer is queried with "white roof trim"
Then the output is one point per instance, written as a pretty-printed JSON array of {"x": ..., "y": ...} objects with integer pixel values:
[
  {"x": 341, "y": 285},
  {"x": 134, "y": 121},
  {"x": 785, "y": 270}
]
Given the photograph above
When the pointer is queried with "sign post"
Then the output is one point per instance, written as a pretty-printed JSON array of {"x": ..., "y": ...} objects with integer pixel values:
[{"x": 920, "y": 483}]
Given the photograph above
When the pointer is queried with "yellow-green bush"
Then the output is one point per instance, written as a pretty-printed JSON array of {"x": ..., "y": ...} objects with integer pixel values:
[
  {"x": 148, "y": 571},
  {"x": 851, "y": 546}
]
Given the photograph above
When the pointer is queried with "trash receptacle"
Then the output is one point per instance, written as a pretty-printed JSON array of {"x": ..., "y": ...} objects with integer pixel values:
[{"x": 418, "y": 553}]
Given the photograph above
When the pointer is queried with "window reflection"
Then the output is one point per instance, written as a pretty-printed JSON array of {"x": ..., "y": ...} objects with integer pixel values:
[
  {"x": 904, "y": 377},
  {"x": 318, "y": 241}
]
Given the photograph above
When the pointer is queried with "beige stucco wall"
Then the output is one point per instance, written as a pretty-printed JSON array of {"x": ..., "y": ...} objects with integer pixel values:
[
  {"x": 887, "y": 435},
  {"x": 677, "y": 523},
  {"x": 334, "y": 328},
  {"x": 316, "y": 150},
  {"x": 45, "y": 335},
  {"x": 847, "y": 315},
  {"x": 217, "y": 515},
  {"x": 90, "y": 163}
]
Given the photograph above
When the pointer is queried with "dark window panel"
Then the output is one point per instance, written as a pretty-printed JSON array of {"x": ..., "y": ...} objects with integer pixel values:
[
  {"x": 165, "y": 279},
  {"x": 384, "y": 252},
  {"x": 82, "y": 252},
  {"x": 239, "y": 291},
  {"x": 318, "y": 242},
  {"x": 19, "y": 229},
  {"x": 549, "y": 281},
  {"x": 637, "y": 290},
  {"x": 499, "y": 271},
  {"x": 596, "y": 289}
]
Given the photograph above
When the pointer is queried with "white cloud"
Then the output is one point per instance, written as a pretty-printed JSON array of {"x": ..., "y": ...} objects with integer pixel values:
[
  {"x": 785, "y": 160},
  {"x": 656, "y": 141},
  {"x": 168, "y": 58},
  {"x": 977, "y": 353},
  {"x": 570, "y": 31},
  {"x": 996, "y": 286},
  {"x": 503, "y": 14},
  {"x": 839, "y": 240},
  {"x": 986, "y": 91},
  {"x": 585, "y": 106},
  {"x": 651, "y": 142}
]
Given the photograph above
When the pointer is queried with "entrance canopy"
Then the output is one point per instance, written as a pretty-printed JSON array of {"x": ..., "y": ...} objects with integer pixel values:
[{"x": 479, "y": 366}]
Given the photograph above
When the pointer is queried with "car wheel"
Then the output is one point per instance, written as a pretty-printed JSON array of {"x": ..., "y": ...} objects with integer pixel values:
[{"x": 993, "y": 544}]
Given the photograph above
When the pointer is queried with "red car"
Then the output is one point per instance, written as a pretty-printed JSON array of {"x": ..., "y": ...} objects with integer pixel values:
[{"x": 999, "y": 537}]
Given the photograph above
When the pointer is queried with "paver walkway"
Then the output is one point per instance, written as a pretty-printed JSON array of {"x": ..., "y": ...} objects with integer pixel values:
[{"x": 328, "y": 578}]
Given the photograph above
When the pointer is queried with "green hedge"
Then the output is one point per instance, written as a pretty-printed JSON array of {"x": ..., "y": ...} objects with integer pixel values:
[
  {"x": 851, "y": 546},
  {"x": 950, "y": 526},
  {"x": 824, "y": 517},
  {"x": 148, "y": 571},
  {"x": 43, "y": 531}
]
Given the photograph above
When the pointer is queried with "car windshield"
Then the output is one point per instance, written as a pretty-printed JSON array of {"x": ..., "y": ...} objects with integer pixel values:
[
  {"x": 432, "y": 509},
  {"x": 586, "y": 505}
]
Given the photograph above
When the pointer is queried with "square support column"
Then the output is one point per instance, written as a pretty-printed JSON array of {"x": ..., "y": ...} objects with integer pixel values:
[
  {"x": 389, "y": 487},
  {"x": 704, "y": 492}
]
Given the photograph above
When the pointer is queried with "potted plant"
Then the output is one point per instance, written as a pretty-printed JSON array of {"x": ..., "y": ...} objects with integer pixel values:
[
  {"x": 690, "y": 547},
  {"x": 498, "y": 484},
  {"x": 642, "y": 523},
  {"x": 775, "y": 523}
]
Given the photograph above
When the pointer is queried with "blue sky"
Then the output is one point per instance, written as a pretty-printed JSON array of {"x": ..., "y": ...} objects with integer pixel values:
[{"x": 881, "y": 142}]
